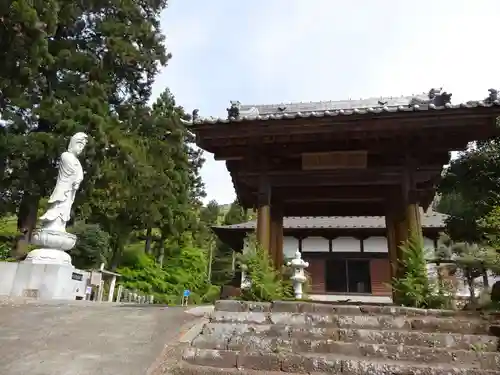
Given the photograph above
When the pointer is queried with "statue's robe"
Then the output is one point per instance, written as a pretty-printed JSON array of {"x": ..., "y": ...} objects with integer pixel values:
[{"x": 68, "y": 180}]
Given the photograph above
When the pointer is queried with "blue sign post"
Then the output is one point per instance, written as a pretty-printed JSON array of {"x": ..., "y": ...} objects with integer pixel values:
[{"x": 185, "y": 297}]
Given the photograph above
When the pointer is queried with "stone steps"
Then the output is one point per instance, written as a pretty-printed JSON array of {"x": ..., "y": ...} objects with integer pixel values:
[
  {"x": 300, "y": 338},
  {"x": 467, "y": 358},
  {"x": 216, "y": 362},
  {"x": 218, "y": 336},
  {"x": 325, "y": 308},
  {"x": 381, "y": 322}
]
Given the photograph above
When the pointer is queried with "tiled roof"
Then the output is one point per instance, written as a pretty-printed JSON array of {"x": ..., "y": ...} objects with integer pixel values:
[
  {"x": 272, "y": 109},
  {"x": 372, "y": 106},
  {"x": 429, "y": 220}
]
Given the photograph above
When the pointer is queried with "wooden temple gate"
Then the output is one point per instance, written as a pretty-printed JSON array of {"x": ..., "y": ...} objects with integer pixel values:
[{"x": 354, "y": 159}]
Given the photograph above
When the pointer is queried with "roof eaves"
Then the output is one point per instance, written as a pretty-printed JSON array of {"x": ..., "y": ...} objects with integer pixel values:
[{"x": 345, "y": 112}]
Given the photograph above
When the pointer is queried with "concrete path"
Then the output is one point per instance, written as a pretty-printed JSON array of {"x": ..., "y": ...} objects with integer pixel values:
[{"x": 87, "y": 338}]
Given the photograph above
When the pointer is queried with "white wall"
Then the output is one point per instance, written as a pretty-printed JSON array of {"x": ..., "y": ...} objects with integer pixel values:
[
  {"x": 315, "y": 244},
  {"x": 375, "y": 244},
  {"x": 346, "y": 244},
  {"x": 290, "y": 246}
]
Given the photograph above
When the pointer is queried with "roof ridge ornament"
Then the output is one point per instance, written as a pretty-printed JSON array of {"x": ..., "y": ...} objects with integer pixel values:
[
  {"x": 233, "y": 112},
  {"x": 195, "y": 117},
  {"x": 492, "y": 96},
  {"x": 435, "y": 97}
]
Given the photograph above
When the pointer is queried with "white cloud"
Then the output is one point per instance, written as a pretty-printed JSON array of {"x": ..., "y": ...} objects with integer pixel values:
[{"x": 296, "y": 50}]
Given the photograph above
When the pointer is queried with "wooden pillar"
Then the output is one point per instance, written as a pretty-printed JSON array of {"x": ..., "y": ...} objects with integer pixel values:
[
  {"x": 410, "y": 202},
  {"x": 264, "y": 213},
  {"x": 414, "y": 221},
  {"x": 397, "y": 233},
  {"x": 392, "y": 244},
  {"x": 276, "y": 251},
  {"x": 401, "y": 226}
]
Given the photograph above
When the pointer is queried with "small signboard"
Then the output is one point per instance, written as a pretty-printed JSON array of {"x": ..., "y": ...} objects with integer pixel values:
[
  {"x": 76, "y": 276},
  {"x": 334, "y": 160},
  {"x": 186, "y": 293},
  {"x": 88, "y": 290},
  {"x": 95, "y": 278}
]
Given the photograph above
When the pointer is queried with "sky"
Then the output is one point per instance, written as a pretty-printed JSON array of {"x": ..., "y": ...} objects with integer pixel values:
[{"x": 278, "y": 51}]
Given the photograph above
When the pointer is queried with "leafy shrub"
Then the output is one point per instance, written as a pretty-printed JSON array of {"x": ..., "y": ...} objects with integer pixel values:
[
  {"x": 146, "y": 276},
  {"x": 212, "y": 294},
  {"x": 414, "y": 288},
  {"x": 264, "y": 282},
  {"x": 184, "y": 270},
  {"x": 5, "y": 252}
]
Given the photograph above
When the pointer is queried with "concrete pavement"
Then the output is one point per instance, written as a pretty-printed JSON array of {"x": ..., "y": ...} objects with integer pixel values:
[{"x": 87, "y": 338}]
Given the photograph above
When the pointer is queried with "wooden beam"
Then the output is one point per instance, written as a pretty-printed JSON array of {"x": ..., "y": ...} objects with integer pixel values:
[
  {"x": 395, "y": 170},
  {"x": 313, "y": 199},
  {"x": 322, "y": 143},
  {"x": 336, "y": 192},
  {"x": 293, "y": 162},
  {"x": 335, "y": 209},
  {"x": 337, "y": 178},
  {"x": 333, "y": 196}
]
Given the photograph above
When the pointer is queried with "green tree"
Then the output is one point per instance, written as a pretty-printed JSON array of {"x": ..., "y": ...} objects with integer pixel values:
[
  {"x": 470, "y": 190},
  {"x": 209, "y": 215},
  {"x": 92, "y": 246},
  {"x": 472, "y": 260},
  {"x": 70, "y": 67},
  {"x": 179, "y": 186},
  {"x": 224, "y": 257}
]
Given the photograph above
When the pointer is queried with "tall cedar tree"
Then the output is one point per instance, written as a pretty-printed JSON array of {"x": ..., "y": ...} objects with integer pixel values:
[
  {"x": 65, "y": 67},
  {"x": 177, "y": 166}
]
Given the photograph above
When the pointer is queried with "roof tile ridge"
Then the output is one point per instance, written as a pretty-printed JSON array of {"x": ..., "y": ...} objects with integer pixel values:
[{"x": 334, "y": 101}]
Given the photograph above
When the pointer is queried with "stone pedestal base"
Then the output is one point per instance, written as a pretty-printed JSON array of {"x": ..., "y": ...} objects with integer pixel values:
[
  {"x": 48, "y": 256},
  {"x": 54, "y": 243},
  {"x": 42, "y": 281}
]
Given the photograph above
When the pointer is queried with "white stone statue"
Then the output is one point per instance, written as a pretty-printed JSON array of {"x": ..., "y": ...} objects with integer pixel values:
[
  {"x": 52, "y": 235},
  {"x": 68, "y": 181}
]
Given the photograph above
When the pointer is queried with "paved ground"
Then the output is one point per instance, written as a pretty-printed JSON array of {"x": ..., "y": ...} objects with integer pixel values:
[{"x": 86, "y": 338}]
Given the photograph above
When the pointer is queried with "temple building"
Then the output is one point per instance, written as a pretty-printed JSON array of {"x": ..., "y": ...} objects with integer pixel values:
[
  {"x": 378, "y": 157},
  {"x": 348, "y": 256}
]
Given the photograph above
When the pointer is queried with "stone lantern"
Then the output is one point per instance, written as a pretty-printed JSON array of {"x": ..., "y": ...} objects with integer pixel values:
[{"x": 298, "y": 278}]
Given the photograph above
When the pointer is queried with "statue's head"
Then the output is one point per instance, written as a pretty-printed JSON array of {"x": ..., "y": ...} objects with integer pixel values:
[{"x": 78, "y": 143}]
